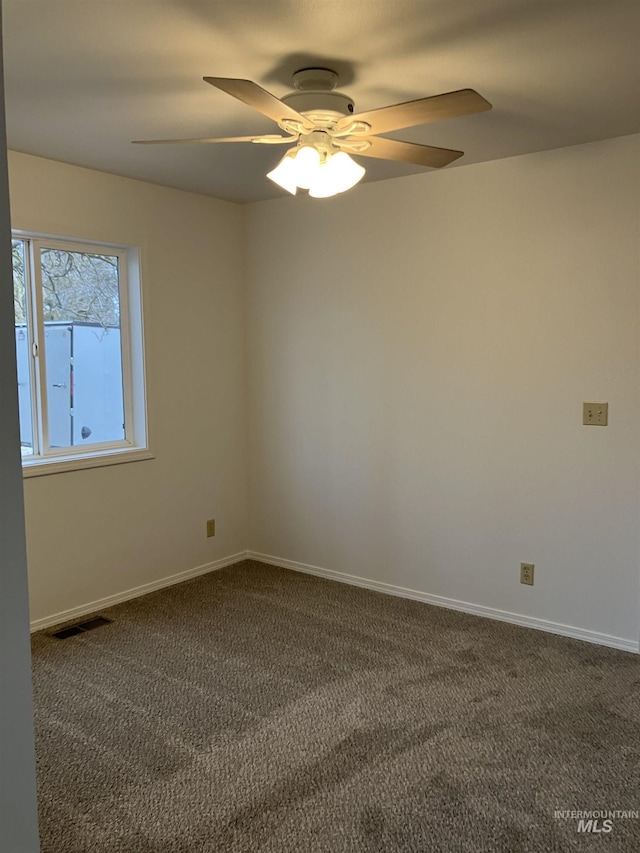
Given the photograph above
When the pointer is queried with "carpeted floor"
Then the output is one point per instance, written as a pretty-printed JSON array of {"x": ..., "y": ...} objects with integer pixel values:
[{"x": 256, "y": 709}]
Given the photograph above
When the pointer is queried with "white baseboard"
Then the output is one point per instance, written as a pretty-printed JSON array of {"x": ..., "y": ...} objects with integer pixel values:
[
  {"x": 389, "y": 589},
  {"x": 136, "y": 592},
  {"x": 453, "y": 604}
]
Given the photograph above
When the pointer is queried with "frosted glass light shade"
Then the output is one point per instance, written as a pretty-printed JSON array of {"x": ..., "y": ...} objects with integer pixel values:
[
  {"x": 307, "y": 166},
  {"x": 303, "y": 168},
  {"x": 284, "y": 174},
  {"x": 338, "y": 174}
]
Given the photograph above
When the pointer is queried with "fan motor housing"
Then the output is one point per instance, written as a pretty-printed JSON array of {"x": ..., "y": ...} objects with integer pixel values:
[{"x": 335, "y": 102}]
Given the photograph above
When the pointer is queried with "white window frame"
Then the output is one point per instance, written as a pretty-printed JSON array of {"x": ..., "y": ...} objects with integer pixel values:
[{"x": 134, "y": 446}]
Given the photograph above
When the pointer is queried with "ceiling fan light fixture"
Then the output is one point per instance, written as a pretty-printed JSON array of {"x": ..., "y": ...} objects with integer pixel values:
[
  {"x": 307, "y": 164},
  {"x": 323, "y": 174},
  {"x": 337, "y": 174},
  {"x": 285, "y": 173}
]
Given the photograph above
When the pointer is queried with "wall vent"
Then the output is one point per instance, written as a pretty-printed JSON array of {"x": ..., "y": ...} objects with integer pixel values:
[{"x": 81, "y": 627}]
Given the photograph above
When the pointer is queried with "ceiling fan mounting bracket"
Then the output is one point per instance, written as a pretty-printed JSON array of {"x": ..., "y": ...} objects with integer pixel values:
[
  {"x": 315, "y": 80},
  {"x": 325, "y": 102},
  {"x": 316, "y": 99}
]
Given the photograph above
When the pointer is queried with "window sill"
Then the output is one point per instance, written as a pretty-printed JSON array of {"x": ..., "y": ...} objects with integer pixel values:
[{"x": 42, "y": 467}]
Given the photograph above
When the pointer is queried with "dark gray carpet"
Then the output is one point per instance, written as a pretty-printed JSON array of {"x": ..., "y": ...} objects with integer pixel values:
[{"x": 256, "y": 709}]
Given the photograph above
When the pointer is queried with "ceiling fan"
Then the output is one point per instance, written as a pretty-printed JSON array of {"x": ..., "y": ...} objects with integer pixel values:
[{"x": 321, "y": 126}]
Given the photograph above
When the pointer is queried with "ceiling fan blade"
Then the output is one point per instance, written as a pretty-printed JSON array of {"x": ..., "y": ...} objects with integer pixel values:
[
  {"x": 255, "y": 96},
  {"x": 269, "y": 139},
  {"x": 424, "y": 110},
  {"x": 408, "y": 152}
]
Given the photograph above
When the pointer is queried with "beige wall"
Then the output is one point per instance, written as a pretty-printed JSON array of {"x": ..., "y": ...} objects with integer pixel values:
[
  {"x": 97, "y": 533},
  {"x": 417, "y": 355},
  {"x": 419, "y": 351}
]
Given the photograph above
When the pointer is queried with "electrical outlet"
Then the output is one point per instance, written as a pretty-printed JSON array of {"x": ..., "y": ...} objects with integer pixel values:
[
  {"x": 526, "y": 573},
  {"x": 211, "y": 527},
  {"x": 595, "y": 414}
]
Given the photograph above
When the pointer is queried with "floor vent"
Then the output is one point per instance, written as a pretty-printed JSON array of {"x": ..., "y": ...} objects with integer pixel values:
[
  {"x": 98, "y": 622},
  {"x": 67, "y": 632},
  {"x": 81, "y": 627}
]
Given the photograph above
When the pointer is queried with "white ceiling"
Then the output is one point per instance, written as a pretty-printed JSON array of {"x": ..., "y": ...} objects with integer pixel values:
[{"x": 85, "y": 77}]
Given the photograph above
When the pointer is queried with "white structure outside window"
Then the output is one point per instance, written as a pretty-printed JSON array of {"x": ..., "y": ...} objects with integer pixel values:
[{"x": 80, "y": 357}]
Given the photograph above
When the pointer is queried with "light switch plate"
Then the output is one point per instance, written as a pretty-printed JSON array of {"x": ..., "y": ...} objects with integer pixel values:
[{"x": 595, "y": 414}]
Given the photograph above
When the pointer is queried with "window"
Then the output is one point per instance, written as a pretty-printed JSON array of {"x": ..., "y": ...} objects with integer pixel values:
[{"x": 78, "y": 330}]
